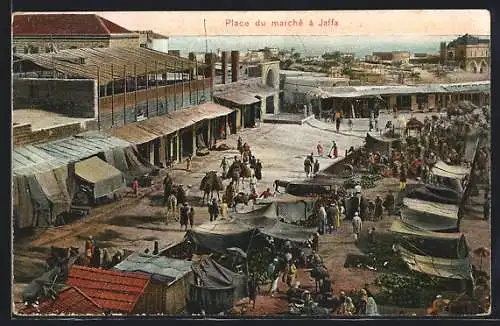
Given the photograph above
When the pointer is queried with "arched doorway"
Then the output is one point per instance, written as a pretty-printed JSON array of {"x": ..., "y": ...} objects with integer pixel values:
[
  {"x": 270, "y": 82},
  {"x": 483, "y": 67},
  {"x": 270, "y": 78},
  {"x": 472, "y": 67}
]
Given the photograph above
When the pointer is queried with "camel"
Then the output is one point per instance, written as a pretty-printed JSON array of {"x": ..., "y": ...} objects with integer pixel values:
[
  {"x": 211, "y": 183},
  {"x": 240, "y": 171}
]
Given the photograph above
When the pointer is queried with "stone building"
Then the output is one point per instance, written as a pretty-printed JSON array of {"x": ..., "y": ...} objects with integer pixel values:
[
  {"x": 468, "y": 52},
  {"x": 43, "y": 33},
  {"x": 394, "y": 57},
  {"x": 154, "y": 41}
]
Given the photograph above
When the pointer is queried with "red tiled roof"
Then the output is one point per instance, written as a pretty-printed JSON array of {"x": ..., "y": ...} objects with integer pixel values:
[
  {"x": 112, "y": 290},
  {"x": 64, "y": 24},
  {"x": 69, "y": 301}
]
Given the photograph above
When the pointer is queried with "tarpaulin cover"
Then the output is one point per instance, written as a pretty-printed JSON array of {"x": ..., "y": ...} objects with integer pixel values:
[
  {"x": 429, "y": 216},
  {"x": 261, "y": 217},
  {"x": 56, "y": 192},
  {"x": 215, "y": 276},
  {"x": 222, "y": 234},
  {"x": 24, "y": 204},
  {"x": 434, "y": 193},
  {"x": 105, "y": 178},
  {"x": 442, "y": 267},
  {"x": 437, "y": 244},
  {"x": 41, "y": 205},
  {"x": 380, "y": 143},
  {"x": 136, "y": 166},
  {"x": 289, "y": 232},
  {"x": 162, "y": 269}
]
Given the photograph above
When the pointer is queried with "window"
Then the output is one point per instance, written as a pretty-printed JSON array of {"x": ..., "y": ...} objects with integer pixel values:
[
  {"x": 34, "y": 49},
  {"x": 26, "y": 49},
  {"x": 14, "y": 50}
]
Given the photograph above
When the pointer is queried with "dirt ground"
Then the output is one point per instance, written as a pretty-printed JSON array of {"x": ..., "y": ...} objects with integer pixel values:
[{"x": 135, "y": 223}]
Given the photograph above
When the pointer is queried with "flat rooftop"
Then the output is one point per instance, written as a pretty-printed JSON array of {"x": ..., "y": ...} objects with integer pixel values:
[{"x": 41, "y": 119}]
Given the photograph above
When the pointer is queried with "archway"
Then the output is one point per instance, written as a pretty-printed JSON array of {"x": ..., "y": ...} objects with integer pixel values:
[
  {"x": 270, "y": 78},
  {"x": 483, "y": 67},
  {"x": 472, "y": 67}
]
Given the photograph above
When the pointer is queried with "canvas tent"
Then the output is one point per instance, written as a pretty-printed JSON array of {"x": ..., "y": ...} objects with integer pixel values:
[
  {"x": 216, "y": 288},
  {"x": 437, "y": 244},
  {"x": 460, "y": 269},
  {"x": 435, "y": 193},
  {"x": 380, "y": 144},
  {"x": 430, "y": 216},
  {"x": 441, "y": 169},
  {"x": 105, "y": 178}
]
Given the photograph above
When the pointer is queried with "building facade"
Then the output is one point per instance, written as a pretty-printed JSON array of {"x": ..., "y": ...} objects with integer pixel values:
[
  {"x": 43, "y": 33},
  {"x": 470, "y": 53},
  {"x": 154, "y": 41}
]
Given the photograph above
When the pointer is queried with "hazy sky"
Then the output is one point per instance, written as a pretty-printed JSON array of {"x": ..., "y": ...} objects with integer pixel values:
[{"x": 381, "y": 22}]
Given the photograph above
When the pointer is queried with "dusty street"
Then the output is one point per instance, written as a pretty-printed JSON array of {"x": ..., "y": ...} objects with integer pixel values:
[{"x": 134, "y": 223}]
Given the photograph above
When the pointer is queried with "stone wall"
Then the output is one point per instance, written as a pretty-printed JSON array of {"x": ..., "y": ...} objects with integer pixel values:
[
  {"x": 71, "y": 97},
  {"x": 23, "y": 134},
  {"x": 124, "y": 42}
]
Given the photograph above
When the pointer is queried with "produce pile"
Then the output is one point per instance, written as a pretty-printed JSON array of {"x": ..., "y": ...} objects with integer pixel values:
[
  {"x": 368, "y": 181},
  {"x": 258, "y": 262},
  {"x": 413, "y": 291}
]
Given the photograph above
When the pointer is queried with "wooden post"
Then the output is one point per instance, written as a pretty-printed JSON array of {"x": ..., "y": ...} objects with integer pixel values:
[
  {"x": 135, "y": 92},
  {"x": 196, "y": 83},
  {"x": 112, "y": 97},
  {"x": 190, "y": 80},
  {"x": 182, "y": 83},
  {"x": 147, "y": 91},
  {"x": 166, "y": 87},
  {"x": 124, "y": 94},
  {"x": 157, "y": 90},
  {"x": 98, "y": 100},
  {"x": 175, "y": 89}
]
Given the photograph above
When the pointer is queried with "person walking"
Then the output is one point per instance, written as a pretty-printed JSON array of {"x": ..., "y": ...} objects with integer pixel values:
[
  {"x": 389, "y": 203},
  {"x": 378, "y": 208},
  {"x": 224, "y": 165},
  {"x": 322, "y": 219},
  {"x": 213, "y": 210},
  {"x": 167, "y": 188},
  {"x": 320, "y": 149},
  {"x": 253, "y": 289},
  {"x": 290, "y": 273},
  {"x": 273, "y": 273},
  {"x": 191, "y": 217},
  {"x": 135, "y": 187},
  {"x": 338, "y": 119},
  {"x": 184, "y": 212},
  {"x": 331, "y": 213},
  {"x": 333, "y": 153},
  {"x": 357, "y": 224},
  {"x": 188, "y": 163},
  {"x": 402, "y": 179},
  {"x": 307, "y": 167},
  {"x": 316, "y": 167}
]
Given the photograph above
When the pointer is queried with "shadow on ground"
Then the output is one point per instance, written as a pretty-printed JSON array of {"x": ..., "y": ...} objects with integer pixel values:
[{"x": 133, "y": 221}]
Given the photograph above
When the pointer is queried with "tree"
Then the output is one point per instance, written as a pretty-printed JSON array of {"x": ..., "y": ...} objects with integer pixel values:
[
  {"x": 296, "y": 56},
  {"x": 334, "y": 56}
]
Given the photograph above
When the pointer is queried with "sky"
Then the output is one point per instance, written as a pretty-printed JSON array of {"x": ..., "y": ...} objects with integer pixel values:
[{"x": 380, "y": 22}]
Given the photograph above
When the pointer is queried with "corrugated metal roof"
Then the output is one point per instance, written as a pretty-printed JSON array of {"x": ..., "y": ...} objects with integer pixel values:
[
  {"x": 33, "y": 159},
  {"x": 102, "y": 59},
  {"x": 69, "y": 301},
  {"x": 239, "y": 97},
  {"x": 147, "y": 130},
  {"x": 113, "y": 290},
  {"x": 160, "y": 268}
]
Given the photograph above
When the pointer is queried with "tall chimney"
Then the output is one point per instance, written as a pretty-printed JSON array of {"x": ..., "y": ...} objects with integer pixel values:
[
  {"x": 235, "y": 65},
  {"x": 192, "y": 72},
  {"x": 224, "y": 66},
  {"x": 210, "y": 62}
]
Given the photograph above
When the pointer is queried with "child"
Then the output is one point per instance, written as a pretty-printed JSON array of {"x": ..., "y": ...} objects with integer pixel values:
[{"x": 135, "y": 187}]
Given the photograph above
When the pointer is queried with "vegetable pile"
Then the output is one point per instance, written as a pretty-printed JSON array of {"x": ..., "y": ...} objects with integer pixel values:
[{"x": 413, "y": 291}]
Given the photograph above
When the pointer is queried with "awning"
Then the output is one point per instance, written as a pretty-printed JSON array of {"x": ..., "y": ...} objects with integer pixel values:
[
  {"x": 427, "y": 207},
  {"x": 261, "y": 90},
  {"x": 443, "y": 267},
  {"x": 134, "y": 134},
  {"x": 241, "y": 98},
  {"x": 442, "y": 169},
  {"x": 106, "y": 178},
  {"x": 150, "y": 129}
]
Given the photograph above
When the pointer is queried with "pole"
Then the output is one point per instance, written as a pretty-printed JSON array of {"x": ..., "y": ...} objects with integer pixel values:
[
  {"x": 135, "y": 92},
  {"x": 157, "y": 90},
  {"x": 98, "y": 100},
  {"x": 182, "y": 83},
  {"x": 167, "y": 87},
  {"x": 124, "y": 94},
  {"x": 112, "y": 97},
  {"x": 190, "y": 81},
  {"x": 196, "y": 83},
  {"x": 175, "y": 89},
  {"x": 147, "y": 91}
]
